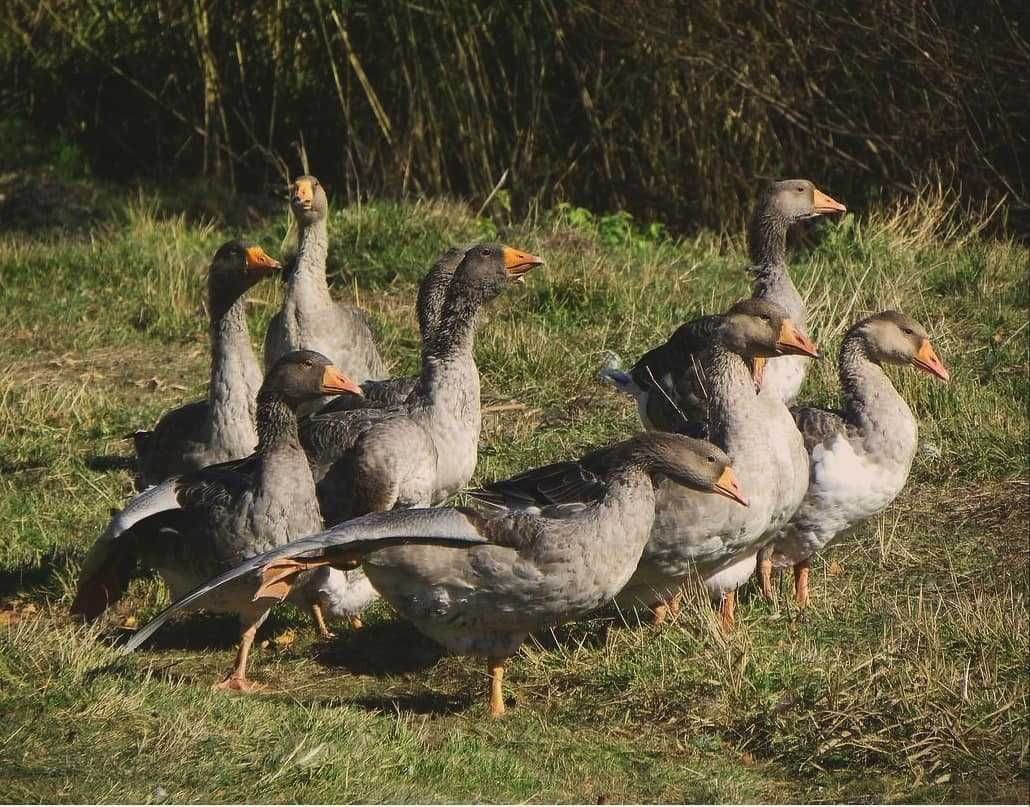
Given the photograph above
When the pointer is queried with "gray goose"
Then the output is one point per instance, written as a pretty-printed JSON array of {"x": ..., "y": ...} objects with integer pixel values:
[
  {"x": 431, "y": 294},
  {"x": 417, "y": 454},
  {"x": 781, "y": 206},
  {"x": 860, "y": 457},
  {"x": 310, "y": 319},
  {"x": 478, "y": 583},
  {"x": 657, "y": 377},
  {"x": 694, "y": 535},
  {"x": 222, "y": 427},
  {"x": 192, "y": 527}
]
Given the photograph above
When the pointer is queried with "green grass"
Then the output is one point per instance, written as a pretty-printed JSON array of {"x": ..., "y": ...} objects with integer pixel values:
[{"x": 905, "y": 681}]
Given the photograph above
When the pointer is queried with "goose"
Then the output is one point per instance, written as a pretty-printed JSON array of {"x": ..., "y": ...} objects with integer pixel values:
[
  {"x": 860, "y": 456},
  {"x": 192, "y": 527},
  {"x": 222, "y": 427},
  {"x": 431, "y": 294},
  {"x": 480, "y": 583},
  {"x": 695, "y": 535},
  {"x": 781, "y": 206},
  {"x": 310, "y": 319},
  {"x": 650, "y": 382},
  {"x": 419, "y": 453}
]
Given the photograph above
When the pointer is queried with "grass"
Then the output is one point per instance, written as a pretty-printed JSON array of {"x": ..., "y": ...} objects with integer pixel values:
[{"x": 905, "y": 680}]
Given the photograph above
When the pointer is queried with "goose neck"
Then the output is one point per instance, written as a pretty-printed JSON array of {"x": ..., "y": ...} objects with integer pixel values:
[{"x": 309, "y": 273}]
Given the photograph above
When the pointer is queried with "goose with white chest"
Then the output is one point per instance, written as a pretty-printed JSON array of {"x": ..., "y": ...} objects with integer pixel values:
[{"x": 860, "y": 456}]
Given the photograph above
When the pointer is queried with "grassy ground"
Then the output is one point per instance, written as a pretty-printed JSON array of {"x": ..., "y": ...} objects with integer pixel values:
[{"x": 905, "y": 680}]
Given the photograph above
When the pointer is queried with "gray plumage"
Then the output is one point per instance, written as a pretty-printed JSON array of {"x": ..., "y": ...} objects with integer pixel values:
[
  {"x": 310, "y": 319},
  {"x": 421, "y": 452},
  {"x": 504, "y": 574},
  {"x": 860, "y": 456},
  {"x": 781, "y": 206},
  {"x": 192, "y": 527},
  {"x": 222, "y": 427},
  {"x": 432, "y": 292},
  {"x": 705, "y": 536}
]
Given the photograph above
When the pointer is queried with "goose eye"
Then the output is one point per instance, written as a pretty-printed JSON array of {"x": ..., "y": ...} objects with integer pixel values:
[
  {"x": 486, "y": 253},
  {"x": 908, "y": 331},
  {"x": 766, "y": 317},
  {"x": 799, "y": 189},
  {"x": 711, "y": 459},
  {"x": 308, "y": 363}
]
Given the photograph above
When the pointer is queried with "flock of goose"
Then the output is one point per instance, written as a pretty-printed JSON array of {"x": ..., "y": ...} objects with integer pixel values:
[{"x": 319, "y": 481}]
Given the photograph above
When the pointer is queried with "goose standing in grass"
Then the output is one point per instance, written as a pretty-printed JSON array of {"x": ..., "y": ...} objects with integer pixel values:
[
  {"x": 222, "y": 427},
  {"x": 506, "y": 573},
  {"x": 432, "y": 292},
  {"x": 783, "y": 205},
  {"x": 310, "y": 319},
  {"x": 417, "y": 454},
  {"x": 192, "y": 527},
  {"x": 695, "y": 535},
  {"x": 860, "y": 457},
  {"x": 659, "y": 377}
]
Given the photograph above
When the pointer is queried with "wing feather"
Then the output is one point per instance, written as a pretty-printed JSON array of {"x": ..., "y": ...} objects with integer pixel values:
[{"x": 360, "y": 535}]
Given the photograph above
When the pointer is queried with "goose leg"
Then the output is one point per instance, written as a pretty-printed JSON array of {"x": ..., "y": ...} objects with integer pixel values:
[
  {"x": 495, "y": 668},
  {"x": 676, "y": 604},
  {"x": 659, "y": 613},
  {"x": 765, "y": 566},
  {"x": 727, "y": 609},
  {"x": 356, "y": 623},
  {"x": 320, "y": 625},
  {"x": 801, "y": 582},
  {"x": 237, "y": 680}
]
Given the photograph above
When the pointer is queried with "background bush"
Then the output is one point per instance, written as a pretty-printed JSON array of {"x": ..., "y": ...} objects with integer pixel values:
[{"x": 667, "y": 111}]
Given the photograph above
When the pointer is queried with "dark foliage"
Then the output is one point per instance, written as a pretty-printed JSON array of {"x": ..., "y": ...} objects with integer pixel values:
[{"x": 667, "y": 110}]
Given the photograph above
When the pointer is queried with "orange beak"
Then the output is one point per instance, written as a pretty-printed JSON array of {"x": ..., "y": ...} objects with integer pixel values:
[
  {"x": 728, "y": 486},
  {"x": 823, "y": 204},
  {"x": 335, "y": 383},
  {"x": 792, "y": 342},
  {"x": 927, "y": 361},
  {"x": 303, "y": 193},
  {"x": 519, "y": 263},
  {"x": 758, "y": 371},
  {"x": 260, "y": 262}
]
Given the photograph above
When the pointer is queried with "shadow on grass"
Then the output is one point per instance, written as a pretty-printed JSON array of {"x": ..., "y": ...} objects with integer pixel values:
[
  {"x": 38, "y": 578},
  {"x": 110, "y": 462},
  {"x": 391, "y": 647}
]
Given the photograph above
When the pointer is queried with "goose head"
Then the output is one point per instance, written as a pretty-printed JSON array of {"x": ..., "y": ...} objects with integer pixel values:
[
  {"x": 236, "y": 266},
  {"x": 891, "y": 337},
  {"x": 486, "y": 270},
  {"x": 304, "y": 375},
  {"x": 308, "y": 200},
  {"x": 696, "y": 464},
  {"x": 758, "y": 329},
  {"x": 794, "y": 200}
]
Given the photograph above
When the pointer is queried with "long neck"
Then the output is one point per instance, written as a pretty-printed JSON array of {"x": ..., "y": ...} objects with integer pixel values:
[
  {"x": 448, "y": 353},
  {"x": 235, "y": 376},
  {"x": 871, "y": 403},
  {"x": 731, "y": 399},
  {"x": 448, "y": 393},
  {"x": 276, "y": 425},
  {"x": 308, "y": 280},
  {"x": 284, "y": 490},
  {"x": 767, "y": 238},
  {"x": 767, "y": 248}
]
